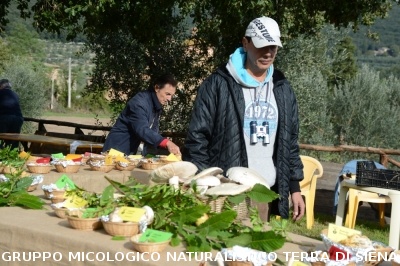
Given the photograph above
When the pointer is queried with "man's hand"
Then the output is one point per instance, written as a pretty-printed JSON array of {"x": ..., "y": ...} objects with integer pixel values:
[
  {"x": 298, "y": 206},
  {"x": 173, "y": 148}
]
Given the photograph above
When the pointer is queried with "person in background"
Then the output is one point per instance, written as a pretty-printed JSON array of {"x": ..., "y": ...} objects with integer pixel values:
[
  {"x": 246, "y": 114},
  {"x": 139, "y": 121},
  {"x": 11, "y": 118}
]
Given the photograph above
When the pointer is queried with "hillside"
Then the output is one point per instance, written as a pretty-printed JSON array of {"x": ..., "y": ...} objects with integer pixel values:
[{"x": 382, "y": 54}]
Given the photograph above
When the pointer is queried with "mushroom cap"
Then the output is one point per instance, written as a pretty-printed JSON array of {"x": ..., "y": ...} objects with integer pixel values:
[
  {"x": 246, "y": 176},
  {"x": 209, "y": 180},
  {"x": 212, "y": 171},
  {"x": 182, "y": 169},
  {"x": 227, "y": 189}
]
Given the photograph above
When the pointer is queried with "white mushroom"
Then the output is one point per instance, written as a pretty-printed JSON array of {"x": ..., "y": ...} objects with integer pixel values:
[
  {"x": 227, "y": 189},
  {"x": 209, "y": 180},
  {"x": 204, "y": 182},
  {"x": 114, "y": 216},
  {"x": 245, "y": 176},
  {"x": 149, "y": 214},
  {"x": 212, "y": 171},
  {"x": 164, "y": 173},
  {"x": 174, "y": 181}
]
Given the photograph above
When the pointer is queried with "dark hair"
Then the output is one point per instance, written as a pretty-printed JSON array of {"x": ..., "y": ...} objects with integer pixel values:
[
  {"x": 248, "y": 38},
  {"x": 162, "y": 80},
  {"x": 4, "y": 83}
]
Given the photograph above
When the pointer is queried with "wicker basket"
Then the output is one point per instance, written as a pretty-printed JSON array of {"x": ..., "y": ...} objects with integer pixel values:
[
  {"x": 318, "y": 263},
  {"x": 152, "y": 165},
  {"x": 232, "y": 262},
  {"x": 55, "y": 200},
  {"x": 9, "y": 170},
  {"x": 217, "y": 205},
  {"x": 148, "y": 247},
  {"x": 376, "y": 256},
  {"x": 72, "y": 168},
  {"x": 32, "y": 188},
  {"x": 84, "y": 224},
  {"x": 39, "y": 168},
  {"x": 128, "y": 167},
  {"x": 60, "y": 212},
  {"x": 397, "y": 256},
  {"x": 121, "y": 229},
  {"x": 55, "y": 196},
  {"x": 102, "y": 168},
  {"x": 244, "y": 263}
]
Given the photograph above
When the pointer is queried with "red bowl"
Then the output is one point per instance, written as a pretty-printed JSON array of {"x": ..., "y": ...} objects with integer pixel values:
[{"x": 43, "y": 160}]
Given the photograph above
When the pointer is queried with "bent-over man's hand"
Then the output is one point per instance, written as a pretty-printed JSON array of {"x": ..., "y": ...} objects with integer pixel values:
[{"x": 173, "y": 148}]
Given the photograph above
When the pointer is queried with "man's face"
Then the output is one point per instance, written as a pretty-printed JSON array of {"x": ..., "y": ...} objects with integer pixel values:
[
  {"x": 259, "y": 59},
  {"x": 164, "y": 94}
]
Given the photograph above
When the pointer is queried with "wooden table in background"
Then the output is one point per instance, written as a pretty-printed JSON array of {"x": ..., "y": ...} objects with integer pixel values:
[
  {"x": 394, "y": 233},
  {"x": 62, "y": 142}
]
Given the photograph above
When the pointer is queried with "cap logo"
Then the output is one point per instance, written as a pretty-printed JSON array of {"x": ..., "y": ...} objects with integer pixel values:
[{"x": 263, "y": 30}]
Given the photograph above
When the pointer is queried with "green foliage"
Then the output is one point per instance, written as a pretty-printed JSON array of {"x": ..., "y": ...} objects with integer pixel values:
[
  {"x": 176, "y": 211},
  {"x": 23, "y": 42},
  {"x": 10, "y": 157},
  {"x": 367, "y": 111},
  {"x": 13, "y": 191}
]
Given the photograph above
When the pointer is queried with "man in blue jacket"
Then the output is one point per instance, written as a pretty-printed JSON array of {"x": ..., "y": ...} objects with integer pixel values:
[
  {"x": 11, "y": 118},
  {"x": 245, "y": 114},
  {"x": 139, "y": 121}
]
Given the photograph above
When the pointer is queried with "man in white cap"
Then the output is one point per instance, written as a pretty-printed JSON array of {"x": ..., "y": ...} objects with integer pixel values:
[{"x": 246, "y": 114}]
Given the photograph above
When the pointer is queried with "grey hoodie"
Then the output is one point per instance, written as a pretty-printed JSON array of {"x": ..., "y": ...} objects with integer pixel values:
[{"x": 260, "y": 106}]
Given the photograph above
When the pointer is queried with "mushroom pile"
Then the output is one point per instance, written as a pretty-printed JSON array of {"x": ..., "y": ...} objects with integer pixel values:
[{"x": 209, "y": 181}]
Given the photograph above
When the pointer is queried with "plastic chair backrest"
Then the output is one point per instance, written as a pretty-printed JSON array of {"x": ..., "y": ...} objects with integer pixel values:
[{"x": 312, "y": 170}]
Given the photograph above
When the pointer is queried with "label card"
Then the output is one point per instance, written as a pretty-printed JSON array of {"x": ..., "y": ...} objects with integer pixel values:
[
  {"x": 155, "y": 236},
  {"x": 338, "y": 233},
  {"x": 113, "y": 152},
  {"x": 65, "y": 182},
  {"x": 57, "y": 155},
  {"x": 74, "y": 201},
  {"x": 131, "y": 214}
]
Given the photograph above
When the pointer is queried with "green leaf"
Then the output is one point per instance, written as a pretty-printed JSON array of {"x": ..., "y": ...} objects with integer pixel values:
[
  {"x": 22, "y": 198},
  {"x": 261, "y": 193},
  {"x": 220, "y": 234},
  {"x": 190, "y": 215},
  {"x": 219, "y": 221},
  {"x": 243, "y": 240},
  {"x": 237, "y": 198},
  {"x": 23, "y": 183},
  {"x": 107, "y": 195},
  {"x": 175, "y": 241},
  {"x": 267, "y": 241},
  {"x": 119, "y": 238}
]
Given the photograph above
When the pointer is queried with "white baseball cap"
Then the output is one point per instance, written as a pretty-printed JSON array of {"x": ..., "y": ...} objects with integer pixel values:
[{"x": 264, "y": 31}]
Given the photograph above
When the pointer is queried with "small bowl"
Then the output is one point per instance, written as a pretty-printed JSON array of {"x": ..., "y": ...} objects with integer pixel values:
[
  {"x": 102, "y": 168},
  {"x": 147, "y": 246},
  {"x": 39, "y": 168},
  {"x": 121, "y": 229},
  {"x": 84, "y": 224},
  {"x": 60, "y": 212},
  {"x": 72, "y": 168}
]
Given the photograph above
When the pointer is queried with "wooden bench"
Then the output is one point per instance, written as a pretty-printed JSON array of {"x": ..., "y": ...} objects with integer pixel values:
[{"x": 49, "y": 148}]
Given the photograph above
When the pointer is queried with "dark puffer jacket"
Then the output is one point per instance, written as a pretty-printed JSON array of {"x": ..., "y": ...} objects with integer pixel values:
[{"x": 215, "y": 136}]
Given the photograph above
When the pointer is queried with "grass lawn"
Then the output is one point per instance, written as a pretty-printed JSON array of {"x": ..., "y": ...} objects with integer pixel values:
[{"x": 371, "y": 229}]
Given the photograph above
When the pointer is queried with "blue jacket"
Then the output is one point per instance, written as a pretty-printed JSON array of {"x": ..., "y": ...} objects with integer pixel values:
[{"x": 138, "y": 122}]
